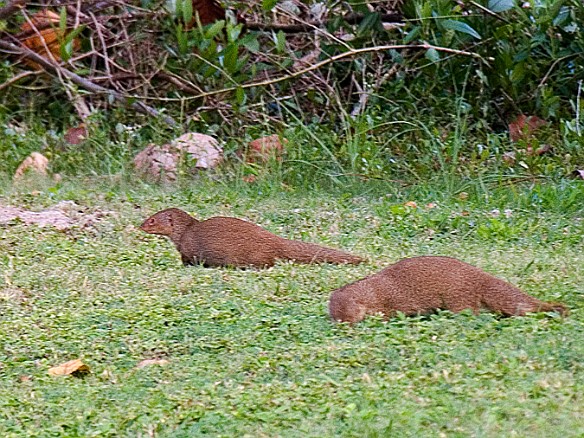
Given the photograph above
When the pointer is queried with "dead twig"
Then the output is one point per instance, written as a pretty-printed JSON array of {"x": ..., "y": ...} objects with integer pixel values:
[
  {"x": 332, "y": 59},
  {"x": 12, "y": 8},
  {"x": 18, "y": 77},
  {"x": 309, "y": 26},
  {"x": 82, "y": 82}
]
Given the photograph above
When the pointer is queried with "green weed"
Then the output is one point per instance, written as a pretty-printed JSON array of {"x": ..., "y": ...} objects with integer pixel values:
[{"x": 252, "y": 352}]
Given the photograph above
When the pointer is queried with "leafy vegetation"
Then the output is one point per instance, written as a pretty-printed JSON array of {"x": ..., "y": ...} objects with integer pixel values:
[
  {"x": 253, "y": 352},
  {"x": 391, "y": 153}
]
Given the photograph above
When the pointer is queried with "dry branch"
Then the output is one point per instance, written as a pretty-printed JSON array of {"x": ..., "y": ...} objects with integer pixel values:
[
  {"x": 82, "y": 82},
  {"x": 309, "y": 26},
  {"x": 350, "y": 53},
  {"x": 12, "y": 8}
]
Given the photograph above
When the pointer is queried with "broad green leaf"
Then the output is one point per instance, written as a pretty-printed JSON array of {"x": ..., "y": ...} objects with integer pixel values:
[
  {"x": 521, "y": 56},
  {"x": 66, "y": 46},
  {"x": 518, "y": 73},
  {"x": 251, "y": 43},
  {"x": 75, "y": 32},
  {"x": 562, "y": 16},
  {"x": 459, "y": 26},
  {"x": 66, "y": 50},
  {"x": 63, "y": 20},
  {"x": 209, "y": 71},
  {"x": 240, "y": 96},
  {"x": 187, "y": 11},
  {"x": 230, "y": 58},
  {"x": 233, "y": 32},
  {"x": 280, "y": 41},
  {"x": 370, "y": 22},
  {"x": 214, "y": 29},
  {"x": 268, "y": 5},
  {"x": 426, "y": 10},
  {"x": 412, "y": 34},
  {"x": 181, "y": 38},
  {"x": 433, "y": 55},
  {"x": 500, "y": 5},
  {"x": 396, "y": 56},
  {"x": 178, "y": 8}
]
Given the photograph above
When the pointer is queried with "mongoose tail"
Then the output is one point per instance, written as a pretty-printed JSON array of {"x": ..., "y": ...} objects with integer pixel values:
[
  {"x": 305, "y": 252},
  {"x": 504, "y": 298}
]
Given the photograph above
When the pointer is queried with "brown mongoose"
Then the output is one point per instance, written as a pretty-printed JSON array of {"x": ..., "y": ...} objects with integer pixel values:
[
  {"x": 228, "y": 241},
  {"x": 424, "y": 284}
]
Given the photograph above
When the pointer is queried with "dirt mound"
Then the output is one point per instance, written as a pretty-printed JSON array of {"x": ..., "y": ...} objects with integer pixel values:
[{"x": 62, "y": 216}]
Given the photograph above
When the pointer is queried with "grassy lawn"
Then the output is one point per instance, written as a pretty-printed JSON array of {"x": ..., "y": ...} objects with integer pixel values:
[{"x": 252, "y": 352}]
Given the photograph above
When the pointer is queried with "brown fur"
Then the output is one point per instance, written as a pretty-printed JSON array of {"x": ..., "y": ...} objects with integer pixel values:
[
  {"x": 227, "y": 241},
  {"x": 421, "y": 285}
]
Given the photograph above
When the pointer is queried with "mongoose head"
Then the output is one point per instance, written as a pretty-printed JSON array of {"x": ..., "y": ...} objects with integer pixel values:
[{"x": 164, "y": 222}]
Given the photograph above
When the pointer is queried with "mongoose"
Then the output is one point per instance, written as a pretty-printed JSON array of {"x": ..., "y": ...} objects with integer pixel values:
[
  {"x": 228, "y": 241},
  {"x": 424, "y": 284}
]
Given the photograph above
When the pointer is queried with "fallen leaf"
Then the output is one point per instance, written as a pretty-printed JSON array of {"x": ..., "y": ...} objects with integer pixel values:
[
  {"x": 49, "y": 36},
  {"x": 73, "y": 367},
  {"x": 431, "y": 205},
  {"x": 411, "y": 204},
  {"x": 262, "y": 149},
  {"x": 76, "y": 135},
  {"x": 148, "y": 362},
  {"x": 463, "y": 196},
  {"x": 524, "y": 127},
  {"x": 25, "y": 378},
  {"x": 36, "y": 162}
]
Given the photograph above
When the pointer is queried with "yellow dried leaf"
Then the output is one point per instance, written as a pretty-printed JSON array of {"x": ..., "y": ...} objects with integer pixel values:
[
  {"x": 69, "y": 368},
  {"x": 411, "y": 204},
  {"x": 147, "y": 362}
]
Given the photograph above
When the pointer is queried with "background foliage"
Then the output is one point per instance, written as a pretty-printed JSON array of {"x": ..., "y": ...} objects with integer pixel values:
[{"x": 406, "y": 112}]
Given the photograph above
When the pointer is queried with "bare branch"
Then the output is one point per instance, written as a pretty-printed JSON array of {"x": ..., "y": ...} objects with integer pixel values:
[
  {"x": 310, "y": 25},
  {"x": 18, "y": 77},
  {"x": 349, "y": 53},
  {"x": 12, "y": 8},
  {"x": 82, "y": 82}
]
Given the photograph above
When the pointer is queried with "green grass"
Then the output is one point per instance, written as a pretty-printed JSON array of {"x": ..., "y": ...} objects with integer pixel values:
[{"x": 253, "y": 352}]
